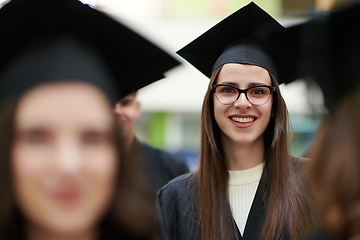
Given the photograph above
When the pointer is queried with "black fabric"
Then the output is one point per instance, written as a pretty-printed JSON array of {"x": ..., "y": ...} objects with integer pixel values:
[
  {"x": 248, "y": 24},
  {"x": 53, "y": 59},
  {"x": 159, "y": 166},
  {"x": 117, "y": 233},
  {"x": 338, "y": 53},
  {"x": 179, "y": 215},
  {"x": 179, "y": 219},
  {"x": 107, "y": 231},
  {"x": 256, "y": 216},
  {"x": 325, "y": 48},
  {"x": 246, "y": 53},
  {"x": 131, "y": 60}
]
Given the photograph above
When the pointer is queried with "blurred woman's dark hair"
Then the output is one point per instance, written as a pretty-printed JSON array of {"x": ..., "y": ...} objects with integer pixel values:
[{"x": 336, "y": 167}]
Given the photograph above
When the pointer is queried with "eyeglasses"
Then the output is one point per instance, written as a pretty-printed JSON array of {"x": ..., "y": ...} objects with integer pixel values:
[{"x": 256, "y": 95}]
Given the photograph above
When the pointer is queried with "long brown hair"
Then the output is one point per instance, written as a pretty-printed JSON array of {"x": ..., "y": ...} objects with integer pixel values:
[
  {"x": 132, "y": 196},
  {"x": 335, "y": 169},
  {"x": 287, "y": 206}
]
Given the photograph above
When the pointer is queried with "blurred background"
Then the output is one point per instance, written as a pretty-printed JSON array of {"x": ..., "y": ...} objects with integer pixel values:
[{"x": 171, "y": 107}]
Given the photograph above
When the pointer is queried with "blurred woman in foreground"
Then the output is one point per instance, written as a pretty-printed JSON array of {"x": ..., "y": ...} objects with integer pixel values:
[{"x": 64, "y": 172}]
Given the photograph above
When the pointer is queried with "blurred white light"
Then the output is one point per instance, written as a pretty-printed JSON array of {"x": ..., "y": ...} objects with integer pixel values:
[
  {"x": 2, "y": 2},
  {"x": 90, "y": 2}
]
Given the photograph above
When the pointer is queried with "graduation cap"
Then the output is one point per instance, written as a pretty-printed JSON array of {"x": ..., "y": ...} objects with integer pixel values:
[
  {"x": 56, "y": 40},
  {"x": 236, "y": 39},
  {"x": 325, "y": 48}
]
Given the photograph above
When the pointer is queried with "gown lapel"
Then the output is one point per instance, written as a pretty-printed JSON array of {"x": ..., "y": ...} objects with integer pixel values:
[{"x": 255, "y": 219}]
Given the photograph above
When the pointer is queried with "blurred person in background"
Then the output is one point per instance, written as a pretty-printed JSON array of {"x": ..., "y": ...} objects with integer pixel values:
[
  {"x": 248, "y": 186},
  {"x": 329, "y": 5},
  {"x": 335, "y": 172},
  {"x": 328, "y": 53},
  {"x": 160, "y": 166},
  {"x": 65, "y": 173},
  {"x": 336, "y": 169}
]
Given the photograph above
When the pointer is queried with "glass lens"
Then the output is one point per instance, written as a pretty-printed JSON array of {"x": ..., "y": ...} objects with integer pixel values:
[
  {"x": 258, "y": 95},
  {"x": 226, "y": 94}
]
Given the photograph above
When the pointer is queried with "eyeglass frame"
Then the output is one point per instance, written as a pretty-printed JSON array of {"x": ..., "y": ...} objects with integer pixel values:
[{"x": 240, "y": 91}]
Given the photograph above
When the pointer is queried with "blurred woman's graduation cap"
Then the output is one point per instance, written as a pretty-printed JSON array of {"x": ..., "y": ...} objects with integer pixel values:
[
  {"x": 326, "y": 48},
  {"x": 236, "y": 39},
  {"x": 54, "y": 40}
]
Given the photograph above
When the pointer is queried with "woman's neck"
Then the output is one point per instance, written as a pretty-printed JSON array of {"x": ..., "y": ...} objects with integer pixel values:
[
  {"x": 34, "y": 233},
  {"x": 240, "y": 156}
]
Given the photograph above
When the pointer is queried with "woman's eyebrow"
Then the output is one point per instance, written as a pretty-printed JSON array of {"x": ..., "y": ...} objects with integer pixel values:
[
  {"x": 251, "y": 84},
  {"x": 235, "y": 84},
  {"x": 256, "y": 83}
]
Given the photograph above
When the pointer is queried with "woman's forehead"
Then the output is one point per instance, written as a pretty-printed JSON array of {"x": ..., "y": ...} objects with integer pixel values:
[
  {"x": 64, "y": 103},
  {"x": 244, "y": 74}
]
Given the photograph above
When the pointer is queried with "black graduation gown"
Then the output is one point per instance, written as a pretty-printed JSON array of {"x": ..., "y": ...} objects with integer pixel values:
[
  {"x": 179, "y": 220},
  {"x": 107, "y": 231},
  {"x": 159, "y": 166}
]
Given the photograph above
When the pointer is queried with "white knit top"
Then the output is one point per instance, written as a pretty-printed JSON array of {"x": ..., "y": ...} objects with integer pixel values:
[{"x": 242, "y": 188}]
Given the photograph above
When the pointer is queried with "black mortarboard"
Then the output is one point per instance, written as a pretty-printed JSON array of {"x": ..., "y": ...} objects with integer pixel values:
[
  {"x": 45, "y": 40},
  {"x": 325, "y": 48},
  {"x": 236, "y": 39}
]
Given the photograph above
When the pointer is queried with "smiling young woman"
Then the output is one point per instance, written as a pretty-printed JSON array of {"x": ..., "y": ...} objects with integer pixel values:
[
  {"x": 242, "y": 123},
  {"x": 247, "y": 186}
]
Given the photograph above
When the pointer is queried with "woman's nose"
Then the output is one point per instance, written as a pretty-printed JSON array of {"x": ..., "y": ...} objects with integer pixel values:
[
  {"x": 242, "y": 101},
  {"x": 118, "y": 109},
  {"x": 68, "y": 157}
]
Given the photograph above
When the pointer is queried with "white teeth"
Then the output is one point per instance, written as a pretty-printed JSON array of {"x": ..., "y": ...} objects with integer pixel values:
[{"x": 243, "y": 120}]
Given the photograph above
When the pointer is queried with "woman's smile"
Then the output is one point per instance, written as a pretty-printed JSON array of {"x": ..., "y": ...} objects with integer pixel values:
[
  {"x": 67, "y": 195},
  {"x": 242, "y": 121}
]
